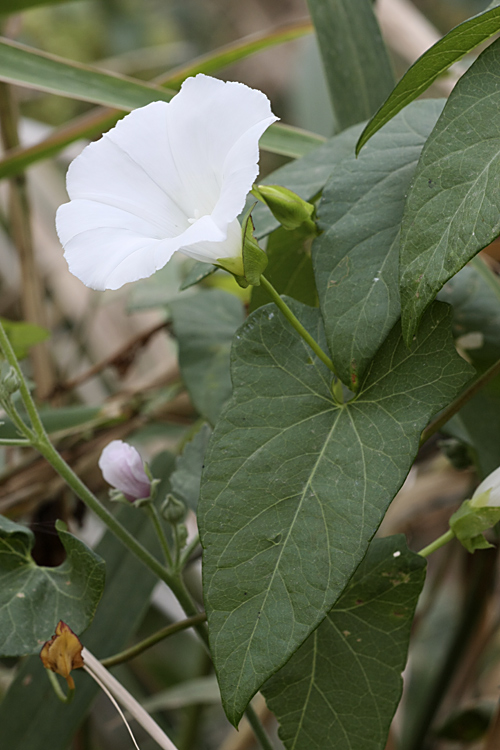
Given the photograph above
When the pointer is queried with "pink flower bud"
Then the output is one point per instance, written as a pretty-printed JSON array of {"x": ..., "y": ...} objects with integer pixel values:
[{"x": 122, "y": 468}]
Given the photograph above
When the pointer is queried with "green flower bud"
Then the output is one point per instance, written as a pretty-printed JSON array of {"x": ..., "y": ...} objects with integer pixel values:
[
  {"x": 287, "y": 207},
  {"x": 10, "y": 382},
  {"x": 173, "y": 510}
]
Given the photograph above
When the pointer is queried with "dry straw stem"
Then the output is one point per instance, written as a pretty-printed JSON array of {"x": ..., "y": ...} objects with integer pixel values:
[{"x": 94, "y": 667}]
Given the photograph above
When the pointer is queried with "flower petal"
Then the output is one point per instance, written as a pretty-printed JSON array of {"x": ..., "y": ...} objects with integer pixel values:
[
  {"x": 122, "y": 468},
  {"x": 106, "y": 247},
  {"x": 168, "y": 177}
]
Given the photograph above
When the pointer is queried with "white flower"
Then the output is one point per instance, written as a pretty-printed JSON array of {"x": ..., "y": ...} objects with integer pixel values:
[
  {"x": 168, "y": 177},
  {"x": 491, "y": 486},
  {"x": 122, "y": 468}
]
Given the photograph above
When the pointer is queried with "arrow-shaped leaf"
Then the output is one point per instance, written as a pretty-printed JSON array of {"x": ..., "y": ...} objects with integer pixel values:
[
  {"x": 452, "y": 208},
  {"x": 295, "y": 485},
  {"x": 340, "y": 690},
  {"x": 356, "y": 258}
]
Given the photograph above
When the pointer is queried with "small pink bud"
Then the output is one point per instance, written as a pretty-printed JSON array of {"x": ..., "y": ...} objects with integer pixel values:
[{"x": 122, "y": 468}]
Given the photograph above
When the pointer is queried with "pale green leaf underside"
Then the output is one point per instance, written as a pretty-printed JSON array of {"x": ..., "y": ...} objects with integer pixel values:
[
  {"x": 452, "y": 208},
  {"x": 295, "y": 487},
  {"x": 433, "y": 63},
  {"x": 33, "y": 599},
  {"x": 341, "y": 689},
  {"x": 356, "y": 258}
]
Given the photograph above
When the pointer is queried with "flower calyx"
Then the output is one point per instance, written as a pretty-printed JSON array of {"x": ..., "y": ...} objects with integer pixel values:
[
  {"x": 478, "y": 514},
  {"x": 292, "y": 211},
  {"x": 254, "y": 259},
  {"x": 63, "y": 653}
]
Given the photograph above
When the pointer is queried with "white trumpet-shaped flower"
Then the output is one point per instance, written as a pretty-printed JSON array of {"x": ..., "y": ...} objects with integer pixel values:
[
  {"x": 487, "y": 495},
  {"x": 168, "y": 177}
]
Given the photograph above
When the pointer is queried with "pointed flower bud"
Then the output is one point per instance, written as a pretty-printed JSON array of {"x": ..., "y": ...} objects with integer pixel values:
[
  {"x": 63, "y": 653},
  {"x": 169, "y": 177},
  {"x": 123, "y": 468},
  {"x": 287, "y": 207}
]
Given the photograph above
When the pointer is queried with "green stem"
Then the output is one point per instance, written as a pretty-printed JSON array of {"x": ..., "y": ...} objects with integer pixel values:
[
  {"x": 42, "y": 443},
  {"x": 155, "y": 518},
  {"x": 437, "y": 543},
  {"x": 295, "y": 322},
  {"x": 29, "y": 404},
  {"x": 258, "y": 729},
  {"x": 188, "y": 551},
  {"x": 175, "y": 582},
  {"x": 160, "y": 635},
  {"x": 22, "y": 442},
  {"x": 459, "y": 402},
  {"x": 58, "y": 689}
]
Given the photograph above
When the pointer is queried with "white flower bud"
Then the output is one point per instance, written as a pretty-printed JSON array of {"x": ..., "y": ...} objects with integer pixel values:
[{"x": 123, "y": 468}]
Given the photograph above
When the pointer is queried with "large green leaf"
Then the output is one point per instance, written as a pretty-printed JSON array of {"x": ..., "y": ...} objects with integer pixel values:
[
  {"x": 306, "y": 176},
  {"x": 33, "y": 599},
  {"x": 452, "y": 207},
  {"x": 355, "y": 59},
  {"x": 356, "y": 258},
  {"x": 342, "y": 687},
  {"x": 204, "y": 326},
  {"x": 289, "y": 269},
  {"x": 31, "y": 710},
  {"x": 295, "y": 485},
  {"x": 433, "y": 63}
]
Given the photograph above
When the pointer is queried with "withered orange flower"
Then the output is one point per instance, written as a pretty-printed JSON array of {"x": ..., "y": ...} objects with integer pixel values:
[{"x": 63, "y": 653}]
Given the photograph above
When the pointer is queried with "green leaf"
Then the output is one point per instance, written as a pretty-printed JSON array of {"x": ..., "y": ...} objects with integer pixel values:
[
  {"x": 433, "y": 63},
  {"x": 341, "y": 689},
  {"x": 26, "y": 66},
  {"x": 295, "y": 485},
  {"x": 204, "y": 326},
  {"x": 185, "y": 480},
  {"x": 357, "y": 67},
  {"x": 356, "y": 258},
  {"x": 474, "y": 294},
  {"x": 452, "y": 208},
  {"x": 478, "y": 423},
  {"x": 306, "y": 176},
  {"x": 33, "y": 599},
  {"x": 289, "y": 269},
  {"x": 30, "y": 710},
  {"x": 23, "y": 336}
]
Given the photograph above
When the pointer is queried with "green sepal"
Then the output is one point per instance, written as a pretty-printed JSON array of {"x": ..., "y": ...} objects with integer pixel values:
[
  {"x": 254, "y": 258},
  {"x": 292, "y": 211},
  {"x": 469, "y": 522}
]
